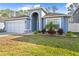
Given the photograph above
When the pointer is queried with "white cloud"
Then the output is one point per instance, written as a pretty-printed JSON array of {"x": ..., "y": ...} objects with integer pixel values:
[
  {"x": 25, "y": 7},
  {"x": 37, "y": 5}
]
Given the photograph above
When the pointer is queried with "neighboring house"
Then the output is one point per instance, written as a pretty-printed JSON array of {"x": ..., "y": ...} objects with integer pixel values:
[
  {"x": 73, "y": 25},
  {"x": 36, "y": 19}
]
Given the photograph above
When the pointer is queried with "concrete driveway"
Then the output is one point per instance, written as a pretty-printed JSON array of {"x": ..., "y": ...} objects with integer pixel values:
[
  {"x": 3, "y": 34},
  {"x": 8, "y": 36}
]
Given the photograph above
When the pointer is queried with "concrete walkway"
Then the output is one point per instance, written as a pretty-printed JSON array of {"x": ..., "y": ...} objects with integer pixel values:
[
  {"x": 31, "y": 33},
  {"x": 3, "y": 34}
]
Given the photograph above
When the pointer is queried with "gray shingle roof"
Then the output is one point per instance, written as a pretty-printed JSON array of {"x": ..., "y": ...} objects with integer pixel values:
[{"x": 55, "y": 15}]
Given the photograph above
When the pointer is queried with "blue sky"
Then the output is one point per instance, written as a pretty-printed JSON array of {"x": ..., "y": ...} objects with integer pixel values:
[{"x": 61, "y": 6}]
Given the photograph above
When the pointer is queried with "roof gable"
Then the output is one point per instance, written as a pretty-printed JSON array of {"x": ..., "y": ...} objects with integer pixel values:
[{"x": 39, "y": 8}]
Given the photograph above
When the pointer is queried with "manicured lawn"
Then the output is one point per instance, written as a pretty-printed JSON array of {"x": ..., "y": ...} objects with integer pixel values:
[{"x": 39, "y": 45}]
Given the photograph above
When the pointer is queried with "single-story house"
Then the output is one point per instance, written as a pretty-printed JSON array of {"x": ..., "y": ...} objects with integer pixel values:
[{"x": 36, "y": 19}]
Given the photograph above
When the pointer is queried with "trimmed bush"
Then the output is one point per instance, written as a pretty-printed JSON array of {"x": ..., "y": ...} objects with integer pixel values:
[
  {"x": 2, "y": 30},
  {"x": 60, "y": 31},
  {"x": 39, "y": 31},
  {"x": 69, "y": 34},
  {"x": 49, "y": 25},
  {"x": 43, "y": 31},
  {"x": 51, "y": 32},
  {"x": 36, "y": 32},
  {"x": 51, "y": 28}
]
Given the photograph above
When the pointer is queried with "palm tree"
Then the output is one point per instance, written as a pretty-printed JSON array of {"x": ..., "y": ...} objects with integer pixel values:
[{"x": 51, "y": 28}]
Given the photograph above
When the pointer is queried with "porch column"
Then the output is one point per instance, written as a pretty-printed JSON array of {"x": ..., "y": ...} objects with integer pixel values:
[
  {"x": 60, "y": 23},
  {"x": 30, "y": 24},
  {"x": 40, "y": 24}
]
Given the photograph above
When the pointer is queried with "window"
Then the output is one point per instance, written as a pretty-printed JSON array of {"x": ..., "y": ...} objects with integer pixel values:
[{"x": 54, "y": 20}]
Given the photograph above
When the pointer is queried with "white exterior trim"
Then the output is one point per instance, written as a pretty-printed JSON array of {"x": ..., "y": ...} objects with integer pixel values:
[{"x": 60, "y": 23}]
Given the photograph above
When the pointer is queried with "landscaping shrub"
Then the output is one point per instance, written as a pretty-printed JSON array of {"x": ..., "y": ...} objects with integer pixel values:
[
  {"x": 51, "y": 28},
  {"x": 43, "y": 31},
  {"x": 76, "y": 33},
  {"x": 60, "y": 31},
  {"x": 36, "y": 32},
  {"x": 2, "y": 30},
  {"x": 39, "y": 31},
  {"x": 69, "y": 34},
  {"x": 49, "y": 25},
  {"x": 51, "y": 32}
]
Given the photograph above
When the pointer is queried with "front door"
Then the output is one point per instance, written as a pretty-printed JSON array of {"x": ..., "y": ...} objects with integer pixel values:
[{"x": 34, "y": 21}]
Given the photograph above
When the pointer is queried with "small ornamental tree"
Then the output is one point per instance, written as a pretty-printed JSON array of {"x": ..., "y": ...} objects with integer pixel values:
[
  {"x": 56, "y": 26},
  {"x": 50, "y": 26}
]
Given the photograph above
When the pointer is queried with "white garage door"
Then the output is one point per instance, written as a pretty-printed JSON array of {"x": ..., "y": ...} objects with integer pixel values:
[{"x": 17, "y": 26}]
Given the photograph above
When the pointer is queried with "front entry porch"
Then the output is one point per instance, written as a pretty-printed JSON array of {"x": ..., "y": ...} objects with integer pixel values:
[{"x": 35, "y": 22}]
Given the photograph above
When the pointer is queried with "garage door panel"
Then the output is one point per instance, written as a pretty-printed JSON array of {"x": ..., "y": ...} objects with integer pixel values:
[{"x": 15, "y": 26}]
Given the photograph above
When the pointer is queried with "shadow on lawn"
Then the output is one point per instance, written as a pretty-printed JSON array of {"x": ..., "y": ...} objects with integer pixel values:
[{"x": 57, "y": 42}]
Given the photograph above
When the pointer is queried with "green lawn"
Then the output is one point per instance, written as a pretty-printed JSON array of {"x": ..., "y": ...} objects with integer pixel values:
[{"x": 39, "y": 45}]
